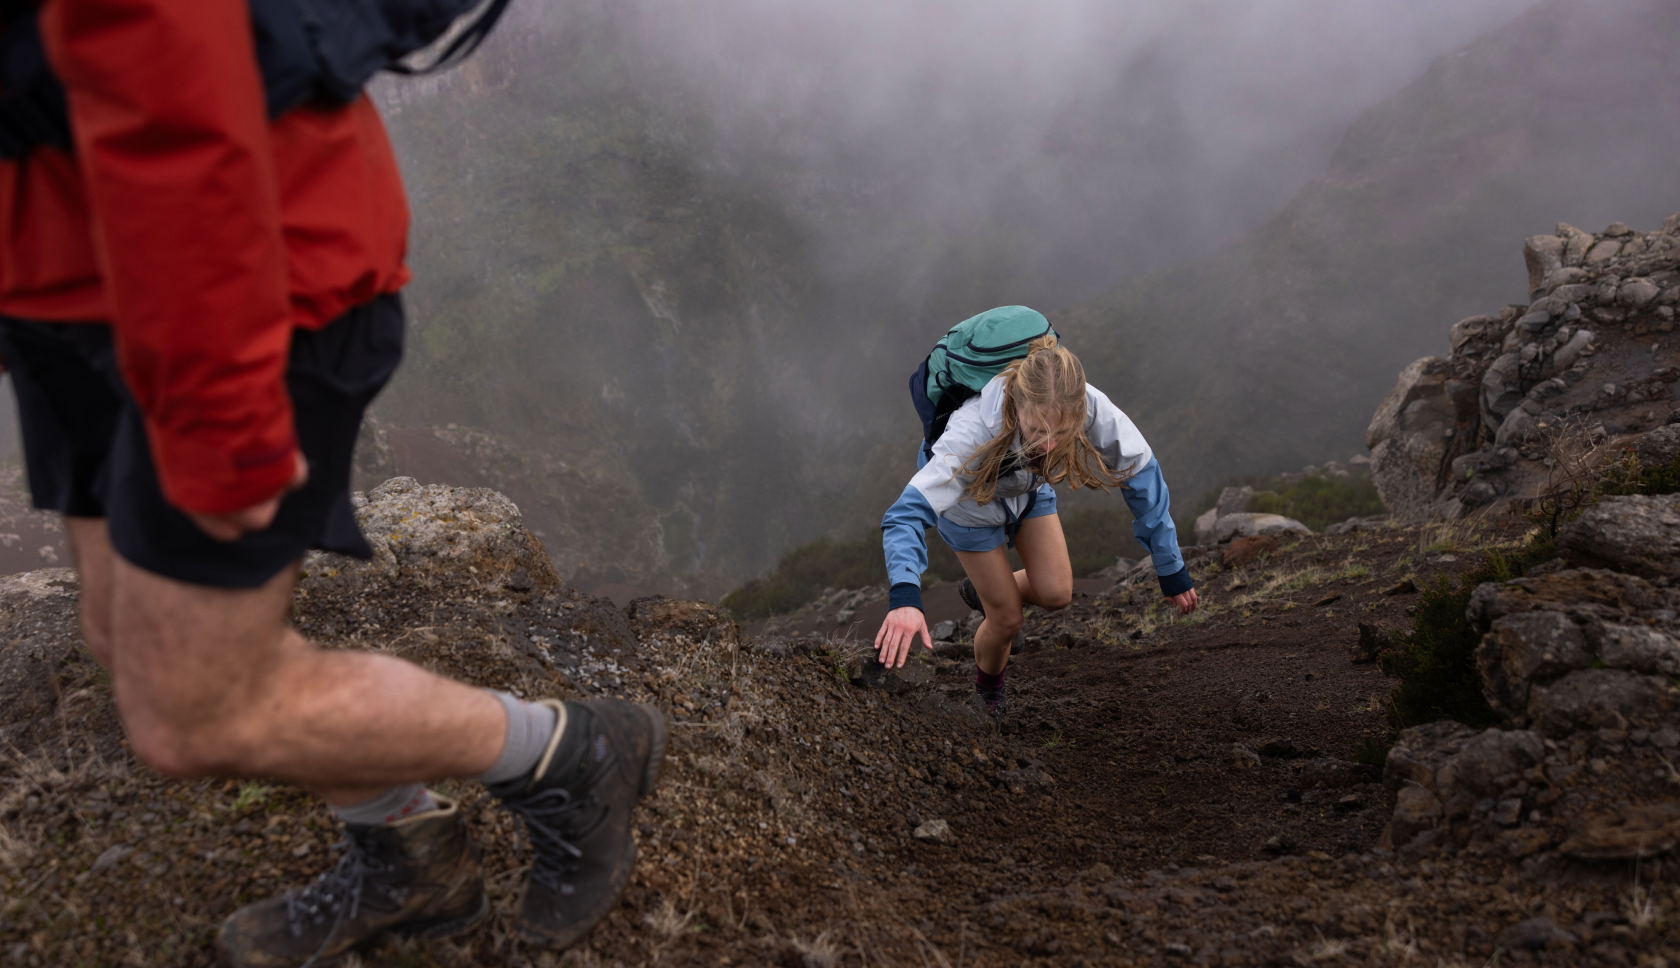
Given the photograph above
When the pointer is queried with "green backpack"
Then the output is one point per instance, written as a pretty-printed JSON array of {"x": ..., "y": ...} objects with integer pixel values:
[{"x": 966, "y": 359}]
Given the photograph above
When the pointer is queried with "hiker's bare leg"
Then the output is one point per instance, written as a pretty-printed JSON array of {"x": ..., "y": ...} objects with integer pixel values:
[
  {"x": 214, "y": 682},
  {"x": 1000, "y": 598},
  {"x": 1046, "y": 581},
  {"x": 90, "y": 549}
]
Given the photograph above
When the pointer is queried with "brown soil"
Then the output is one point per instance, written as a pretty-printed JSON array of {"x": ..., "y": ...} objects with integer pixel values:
[{"x": 1114, "y": 820}]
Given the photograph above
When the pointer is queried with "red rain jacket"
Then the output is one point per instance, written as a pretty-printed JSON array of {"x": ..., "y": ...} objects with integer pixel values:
[{"x": 202, "y": 231}]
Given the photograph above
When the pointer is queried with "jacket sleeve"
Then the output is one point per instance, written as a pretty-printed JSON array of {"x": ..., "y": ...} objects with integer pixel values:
[
  {"x": 904, "y": 539},
  {"x": 936, "y": 488},
  {"x": 1152, "y": 525},
  {"x": 171, "y": 133},
  {"x": 1125, "y": 451}
]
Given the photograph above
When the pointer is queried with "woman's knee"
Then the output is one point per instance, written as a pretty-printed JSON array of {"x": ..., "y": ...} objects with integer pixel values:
[
  {"x": 1007, "y": 621},
  {"x": 1056, "y": 599}
]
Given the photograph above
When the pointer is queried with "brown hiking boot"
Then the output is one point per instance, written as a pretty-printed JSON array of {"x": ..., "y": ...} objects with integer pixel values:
[
  {"x": 419, "y": 876},
  {"x": 577, "y": 815}
]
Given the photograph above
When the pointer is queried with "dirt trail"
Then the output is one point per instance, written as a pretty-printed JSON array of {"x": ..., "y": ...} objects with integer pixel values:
[{"x": 1151, "y": 800}]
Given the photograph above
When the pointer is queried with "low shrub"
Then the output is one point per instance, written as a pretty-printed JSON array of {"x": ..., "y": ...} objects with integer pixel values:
[
  {"x": 804, "y": 572},
  {"x": 1319, "y": 502},
  {"x": 801, "y": 575},
  {"x": 1436, "y": 661},
  {"x": 1315, "y": 501}
]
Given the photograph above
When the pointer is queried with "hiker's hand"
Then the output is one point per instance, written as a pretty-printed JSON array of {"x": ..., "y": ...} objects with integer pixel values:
[
  {"x": 1185, "y": 601},
  {"x": 898, "y": 634},
  {"x": 234, "y": 524}
]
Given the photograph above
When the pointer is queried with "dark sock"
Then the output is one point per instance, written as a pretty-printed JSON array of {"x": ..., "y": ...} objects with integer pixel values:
[{"x": 986, "y": 681}]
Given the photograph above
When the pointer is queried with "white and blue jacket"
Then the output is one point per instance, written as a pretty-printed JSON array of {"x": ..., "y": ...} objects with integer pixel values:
[{"x": 937, "y": 491}]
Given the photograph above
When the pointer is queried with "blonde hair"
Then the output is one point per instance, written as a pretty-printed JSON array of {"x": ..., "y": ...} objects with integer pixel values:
[{"x": 1049, "y": 381}]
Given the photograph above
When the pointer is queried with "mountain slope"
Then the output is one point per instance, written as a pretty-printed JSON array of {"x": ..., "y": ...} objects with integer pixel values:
[{"x": 1274, "y": 352}]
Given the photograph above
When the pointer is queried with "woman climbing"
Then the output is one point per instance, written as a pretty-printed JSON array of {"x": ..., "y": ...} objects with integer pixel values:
[{"x": 1007, "y": 414}]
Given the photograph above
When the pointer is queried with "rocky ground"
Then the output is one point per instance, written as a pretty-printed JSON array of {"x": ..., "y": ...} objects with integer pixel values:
[{"x": 1164, "y": 791}]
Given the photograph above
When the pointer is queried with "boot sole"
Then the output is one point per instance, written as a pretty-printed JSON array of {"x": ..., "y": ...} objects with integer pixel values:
[{"x": 432, "y": 929}]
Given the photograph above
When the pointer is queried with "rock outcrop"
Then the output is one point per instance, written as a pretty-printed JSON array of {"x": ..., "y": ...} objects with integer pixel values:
[
  {"x": 424, "y": 533},
  {"x": 1579, "y": 659},
  {"x": 1591, "y": 357}
]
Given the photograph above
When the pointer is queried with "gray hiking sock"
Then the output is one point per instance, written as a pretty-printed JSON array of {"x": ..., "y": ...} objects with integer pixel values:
[
  {"x": 529, "y": 728},
  {"x": 403, "y": 800}
]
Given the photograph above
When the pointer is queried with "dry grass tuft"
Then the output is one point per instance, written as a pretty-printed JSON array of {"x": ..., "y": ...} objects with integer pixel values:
[{"x": 820, "y": 952}]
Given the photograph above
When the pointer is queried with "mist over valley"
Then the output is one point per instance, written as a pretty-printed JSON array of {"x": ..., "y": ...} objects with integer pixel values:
[{"x": 690, "y": 255}]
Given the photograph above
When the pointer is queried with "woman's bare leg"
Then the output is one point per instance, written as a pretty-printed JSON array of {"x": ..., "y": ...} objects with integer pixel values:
[{"x": 1046, "y": 581}]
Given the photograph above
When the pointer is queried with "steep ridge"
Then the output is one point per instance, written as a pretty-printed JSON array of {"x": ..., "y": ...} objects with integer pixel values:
[
  {"x": 1267, "y": 356},
  {"x": 1165, "y": 791}
]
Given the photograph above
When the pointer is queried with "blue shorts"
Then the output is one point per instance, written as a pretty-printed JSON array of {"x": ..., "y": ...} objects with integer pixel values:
[{"x": 985, "y": 539}]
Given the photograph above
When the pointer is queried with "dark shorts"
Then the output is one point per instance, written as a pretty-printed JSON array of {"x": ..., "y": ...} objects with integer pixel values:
[{"x": 85, "y": 446}]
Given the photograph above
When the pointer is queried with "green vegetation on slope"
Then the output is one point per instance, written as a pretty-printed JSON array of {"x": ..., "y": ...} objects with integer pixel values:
[
  {"x": 1436, "y": 661},
  {"x": 1095, "y": 537},
  {"x": 1316, "y": 501}
]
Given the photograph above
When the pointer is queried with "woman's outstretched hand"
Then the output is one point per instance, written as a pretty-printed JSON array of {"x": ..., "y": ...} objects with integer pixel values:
[
  {"x": 898, "y": 633},
  {"x": 1185, "y": 601}
]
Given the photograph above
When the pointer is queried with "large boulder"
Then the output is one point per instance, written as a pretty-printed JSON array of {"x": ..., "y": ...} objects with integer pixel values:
[
  {"x": 1249, "y": 524},
  {"x": 1524, "y": 648},
  {"x": 1635, "y": 534},
  {"x": 1660, "y": 447},
  {"x": 437, "y": 534},
  {"x": 1591, "y": 699},
  {"x": 1409, "y": 437}
]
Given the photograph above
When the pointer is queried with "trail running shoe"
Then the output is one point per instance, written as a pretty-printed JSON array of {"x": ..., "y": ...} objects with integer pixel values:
[
  {"x": 970, "y": 597},
  {"x": 419, "y": 876},
  {"x": 996, "y": 700},
  {"x": 577, "y": 815}
]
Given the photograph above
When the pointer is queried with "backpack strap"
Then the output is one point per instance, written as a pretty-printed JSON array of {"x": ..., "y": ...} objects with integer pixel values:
[{"x": 464, "y": 43}]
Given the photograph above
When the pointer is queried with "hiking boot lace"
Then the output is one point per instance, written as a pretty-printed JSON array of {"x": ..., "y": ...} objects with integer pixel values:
[
  {"x": 551, "y": 821},
  {"x": 337, "y": 892}
]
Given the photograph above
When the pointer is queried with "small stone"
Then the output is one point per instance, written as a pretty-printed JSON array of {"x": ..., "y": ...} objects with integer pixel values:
[
  {"x": 1536, "y": 933},
  {"x": 109, "y": 858},
  {"x": 1276, "y": 845},
  {"x": 1508, "y": 812},
  {"x": 1524, "y": 841},
  {"x": 943, "y": 631},
  {"x": 1351, "y": 803},
  {"x": 936, "y": 831},
  {"x": 1282, "y": 748}
]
